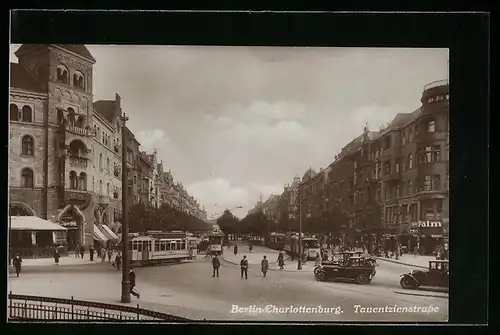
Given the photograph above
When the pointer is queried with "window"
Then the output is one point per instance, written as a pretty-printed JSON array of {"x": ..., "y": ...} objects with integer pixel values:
[
  {"x": 427, "y": 186},
  {"x": 403, "y": 137},
  {"x": 107, "y": 190},
  {"x": 78, "y": 80},
  {"x": 100, "y": 187},
  {"x": 410, "y": 135},
  {"x": 93, "y": 184},
  {"x": 27, "y": 144},
  {"x": 100, "y": 161},
  {"x": 410, "y": 188},
  {"x": 397, "y": 165},
  {"x": 431, "y": 126},
  {"x": 426, "y": 155},
  {"x": 387, "y": 167},
  {"x": 60, "y": 116},
  {"x": 27, "y": 115},
  {"x": 135, "y": 179},
  {"x": 436, "y": 153},
  {"x": 62, "y": 74},
  {"x": 107, "y": 165},
  {"x": 14, "y": 112},
  {"x": 410, "y": 161},
  {"x": 27, "y": 178},
  {"x": 73, "y": 180},
  {"x": 82, "y": 182},
  {"x": 95, "y": 130},
  {"x": 71, "y": 116}
]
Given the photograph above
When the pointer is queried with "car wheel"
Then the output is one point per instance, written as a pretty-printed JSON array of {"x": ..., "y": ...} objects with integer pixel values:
[
  {"x": 362, "y": 279},
  {"x": 408, "y": 283},
  {"x": 320, "y": 276}
]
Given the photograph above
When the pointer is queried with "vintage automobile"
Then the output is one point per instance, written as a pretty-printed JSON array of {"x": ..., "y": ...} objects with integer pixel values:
[
  {"x": 436, "y": 275},
  {"x": 361, "y": 269},
  {"x": 343, "y": 257}
]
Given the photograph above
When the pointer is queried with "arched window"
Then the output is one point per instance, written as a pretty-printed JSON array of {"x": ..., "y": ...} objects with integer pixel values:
[
  {"x": 71, "y": 116},
  {"x": 95, "y": 130},
  {"x": 27, "y": 115},
  {"x": 60, "y": 116},
  {"x": 27, "y": 144},
  {"x": 80, "y": 122},
  {"x": 77, "y": 148},
  {"x": 62, "y": 74},
  {"x": 82, "y": 182},
  {"x": 100, "y": 187},
  {"x": 73, "y": 180},
  {"x": 78, "y": 80},
  {"x": 100, "y": 162},
  {"x": 93, "y": 184},
  {"x": 107, "y": 164},
  {"x": 14, "y": 112},
  {"x": 107, "y": 189},
  {"x": 27, "y": 178}
]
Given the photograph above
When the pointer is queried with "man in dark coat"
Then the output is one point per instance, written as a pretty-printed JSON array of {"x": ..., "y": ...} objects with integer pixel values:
[
  {"x": 131, "y": 278},
  {"x": 91, "y": 251},
  {"x": 244, "y": 267},
  {"x": 215, "y": 265},
  {"x": 235, "y": 249},
  {"x": 264, "y": 264},
  {"x": 281, "y": 260},
  {"x": 82, "y": 250},
  {"x": 17, "y": 261}
]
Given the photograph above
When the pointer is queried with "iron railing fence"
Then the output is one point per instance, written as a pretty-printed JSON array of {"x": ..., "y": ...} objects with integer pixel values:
[{"x": 32, "y": 308}]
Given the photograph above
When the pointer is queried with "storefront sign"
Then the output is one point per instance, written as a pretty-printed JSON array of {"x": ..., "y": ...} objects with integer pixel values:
[{"x": 429, "y": 224}]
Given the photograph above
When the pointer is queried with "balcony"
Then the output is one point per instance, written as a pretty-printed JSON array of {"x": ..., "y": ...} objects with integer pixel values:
[
  {"x": 79, "y": 131},
  {"x": 78, "y": 161},
  {"x": 432, "y": 194},
  {"x": 103, "y": 200},
  {"x": 77, "y": 197}
]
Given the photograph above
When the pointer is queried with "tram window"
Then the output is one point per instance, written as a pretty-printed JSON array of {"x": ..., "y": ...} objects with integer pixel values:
[
  {"x": 162, "y": 245},
  {"x": 157, "y": 245},
  {"x": 134, "y": 245},
  {"x": 183, "y": 245},
  {"x": 150, "y": 245},
  {"x": 167, "y": 246},
  {"x": 139, "y": 246}
]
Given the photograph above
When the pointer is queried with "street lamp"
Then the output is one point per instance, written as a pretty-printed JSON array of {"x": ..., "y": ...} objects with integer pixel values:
[{"x": 126, "y": 261}]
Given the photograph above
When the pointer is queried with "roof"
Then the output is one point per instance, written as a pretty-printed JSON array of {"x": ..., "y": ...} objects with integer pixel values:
[
  {"x": 308, "y": 174},
  {"x": 33, "y": 223},
  {"x": 107, "y": 109},
  {"x": 20, "y": 78},
  {"x": 79, "y": 49}
]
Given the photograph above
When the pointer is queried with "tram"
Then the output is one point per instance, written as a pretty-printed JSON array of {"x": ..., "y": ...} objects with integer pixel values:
[
  {"x": 276, "y": 241},
  {"x": 156, "y": 247},
  {"x": 215, "y": 240},
  {"x": 310, "y": 245}
]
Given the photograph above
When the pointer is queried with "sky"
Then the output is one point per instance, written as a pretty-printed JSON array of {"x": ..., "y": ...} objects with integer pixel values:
[{"x": 235, "y": 123}]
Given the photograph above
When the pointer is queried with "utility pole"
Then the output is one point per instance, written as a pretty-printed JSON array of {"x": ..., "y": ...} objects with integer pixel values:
[
  {"x": 299, "y": 264},
  {"x": 125, "y": 252}
]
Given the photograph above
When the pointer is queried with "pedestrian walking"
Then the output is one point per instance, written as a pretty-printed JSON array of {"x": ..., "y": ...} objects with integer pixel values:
[
  {"x": 103, "y": 255},
  {"x": 235, "y": 249},
  {"x": 264, "y": 265},
  {"x": 77, "y": 251},
  {"x": 215, "y": 265},
  {"x": 56, "y": 256},
  {"x": 17, "y": 262},
  {"x": 82, "y": 250},
  {"x": 317, "y": 261},
  {"x": 91, "y": 252},
  {"x": 244, "y": 267},
  {"x": 131, "y": 278},
  {"x": 250, "y": 247},
  {"x": 110, "y": 254},
  {"x": 281, "y": 260},
  {"x": 118, "y": 261}
]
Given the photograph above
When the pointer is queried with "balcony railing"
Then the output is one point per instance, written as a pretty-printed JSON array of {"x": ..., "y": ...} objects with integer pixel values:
[
  {"x": 29, "y": 308},
  {"x": 78, "y": 161},
  {"x": 79, "y": 131}
]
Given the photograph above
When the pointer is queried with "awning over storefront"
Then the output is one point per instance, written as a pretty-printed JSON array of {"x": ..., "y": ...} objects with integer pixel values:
[
  {"x": 33, "y": 223},
  {"x": 108, "y": 232},
  {"x": 98, "y": 235}
]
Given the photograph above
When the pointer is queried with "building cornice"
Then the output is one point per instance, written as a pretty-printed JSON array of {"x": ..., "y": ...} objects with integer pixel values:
[{"x": 17, "y": 92}]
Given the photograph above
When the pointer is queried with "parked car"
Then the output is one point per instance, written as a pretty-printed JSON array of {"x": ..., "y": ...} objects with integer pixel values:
[
  {"x": 436, "y": 275},
  {"x": 360, "y": 269}
]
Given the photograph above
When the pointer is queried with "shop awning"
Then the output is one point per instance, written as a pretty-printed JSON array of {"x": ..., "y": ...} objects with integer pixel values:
[
  {"x": 98, "y": 235},
  {"x": 33, "y": 223},
  {"x": 108, "y": 232}
]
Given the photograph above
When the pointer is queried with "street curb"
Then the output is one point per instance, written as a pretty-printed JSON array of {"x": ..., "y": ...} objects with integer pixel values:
[
  {"x": 401, "y": 263},
  {"x": 424, "y": 295}
]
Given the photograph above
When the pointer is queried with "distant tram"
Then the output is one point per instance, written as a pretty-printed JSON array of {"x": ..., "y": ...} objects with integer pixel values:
[
  {"x": 155, "y": 247},
  {"x": 215, "y": 241},
  {"x": 310, "y": 245},
  {"x": 276, "y": 241}
]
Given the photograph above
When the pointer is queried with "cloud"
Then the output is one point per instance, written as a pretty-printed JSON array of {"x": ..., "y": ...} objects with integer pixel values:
[
  {"x": 217, "y": 194},
  {"x": 151, "y": 139}
]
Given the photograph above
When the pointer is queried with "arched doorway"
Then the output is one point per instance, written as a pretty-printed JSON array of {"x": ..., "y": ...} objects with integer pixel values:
[
  {"x": 72, "y": 219},
  {"x": 19, "y": 209}
]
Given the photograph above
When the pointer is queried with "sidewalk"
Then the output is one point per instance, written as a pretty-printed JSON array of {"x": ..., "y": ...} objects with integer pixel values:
[
  {"x": 63, "y": 261},
  {"x": 410, "y": 260}
]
